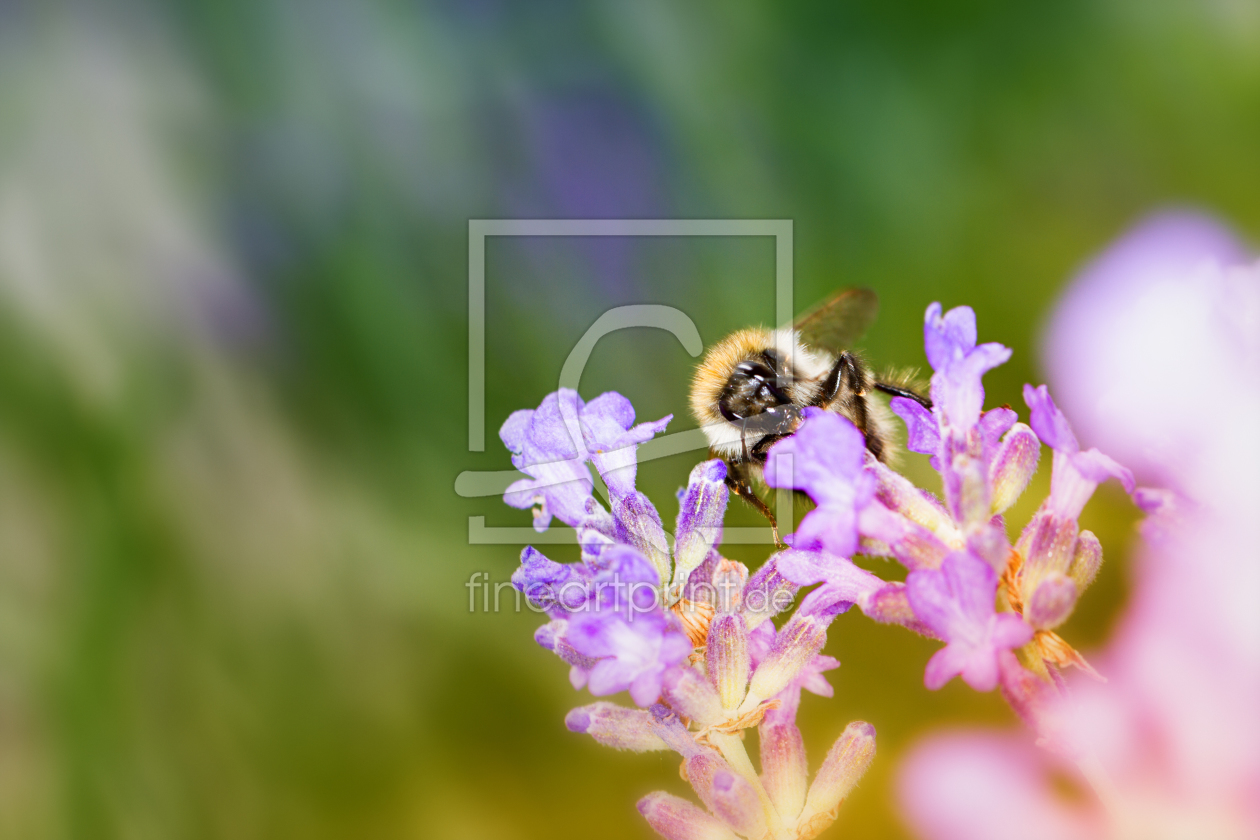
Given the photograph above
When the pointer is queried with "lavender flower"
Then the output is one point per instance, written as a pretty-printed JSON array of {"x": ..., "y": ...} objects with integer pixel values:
[
  {"x": 1076, "y": 473},
  {"x": 967, "y": 586},
  {"x": 1057, "y": 561},
  {"x": 824, "y": 458},
  {"x": 957, "y": 602},
  {"x": 552, "y": 444},
  {"x": 691, "y": 629},
  {"x": 950, "y": 343},
  {"x": 743, "y": 678},
  {"x": 618, "y": 617},
  {"x": 689, "y": 633}
]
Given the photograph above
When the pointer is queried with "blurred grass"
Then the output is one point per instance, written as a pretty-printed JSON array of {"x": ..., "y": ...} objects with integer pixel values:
[{"x": 233, "y": 371}]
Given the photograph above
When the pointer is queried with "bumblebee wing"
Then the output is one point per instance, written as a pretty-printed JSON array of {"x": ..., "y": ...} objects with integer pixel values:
[{"x": 839, "y": 321}]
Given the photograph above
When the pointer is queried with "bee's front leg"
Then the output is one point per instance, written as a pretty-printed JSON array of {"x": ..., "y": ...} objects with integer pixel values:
[{"x": 737, "y": 480}]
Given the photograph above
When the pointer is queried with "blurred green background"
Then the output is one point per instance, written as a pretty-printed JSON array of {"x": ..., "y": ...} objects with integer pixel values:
[{"x": 233, "y": 332}]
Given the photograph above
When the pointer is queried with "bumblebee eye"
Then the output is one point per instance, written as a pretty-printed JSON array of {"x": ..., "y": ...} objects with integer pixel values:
[{"x": 752, "y": 389}]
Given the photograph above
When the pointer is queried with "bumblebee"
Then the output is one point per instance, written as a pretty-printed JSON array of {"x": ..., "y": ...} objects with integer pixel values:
[{"x": 749, "y": 391}]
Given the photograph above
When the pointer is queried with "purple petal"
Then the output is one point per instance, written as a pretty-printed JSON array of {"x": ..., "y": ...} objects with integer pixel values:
[
  {"x": 981, "y": 670},
  {"x": 804, "y": 567},
  {"x": 608, "y": 435},
  {"x": 948, "y": 338},
  {"x": 973, "y": 582},
  {"x": 922, "y": 433},
  {"x": 1047, "y": 421},
  {"x": 843, "y": 584},
  {"x": 606, "y": 418},
  {"x": 956, "y": 601},
  {"x": 514, "y": 429},
  {"x": 554, "y": 432},
  {"x": 825, "y": 458},
  {"x": 549, "y": 585},
  {"x": 829, "y": 527},
  {"x": 1097, "y": 467},
  {"x": 931, "y": 600},
  {"x": 957, "y": 390},
  {"x": 945, "y": 664},
  {"x": 1009, "y": 631},
  {"x": 996, "y": 422}
]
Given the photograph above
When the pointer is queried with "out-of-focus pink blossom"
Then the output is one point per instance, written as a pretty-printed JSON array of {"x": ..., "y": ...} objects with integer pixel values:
[
  {"x": 1155, "y": 352},
  {"x": 1149, "y": 348}
]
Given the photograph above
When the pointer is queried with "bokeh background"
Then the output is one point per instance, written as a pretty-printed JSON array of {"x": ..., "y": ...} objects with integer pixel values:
[{"x": 233, "y": 331}]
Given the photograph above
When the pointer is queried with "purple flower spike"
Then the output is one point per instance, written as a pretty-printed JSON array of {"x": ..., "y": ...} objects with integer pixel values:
[
  {"x": 950, "y": 342},
  {"x": 956, "y": 601},
  {"x": 1076, "y": 474},
  {"x": 825, "y": 459}
]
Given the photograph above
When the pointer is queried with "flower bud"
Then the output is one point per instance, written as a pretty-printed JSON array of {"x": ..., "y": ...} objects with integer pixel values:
[
  {"x": 845, "y": 763},
  {"x": 701, "y": 769},
  {"x": 677, "y": 819},
  {"x": 703, "y": 504},
  {"x": 890, "y": 605},
  {"x": 1051, "y": 602},
  {"x": 1086, "y": 560},
  {"x": 966, "y": 479},
  {"x": 691, "y": 694},
  {"x": 767, "y": 594},
  {"x": 643, "y": 530},
  {"x": 739, "y": 806},
  {"x": 667, "y": 726},
  {"x": 899, "y": 494},
  {"x": 1048, "y": 544},
  {"x": 616, "y": 726},
  {"x": 729, "y": 579},
  {"x": 784, "y": 770},
  {"x": 727, "y": 658},
  {"x": 794, "y": 646},
  {"x": 1013, "y": 466}
]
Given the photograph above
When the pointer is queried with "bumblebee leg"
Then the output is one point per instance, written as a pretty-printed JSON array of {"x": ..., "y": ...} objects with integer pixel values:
[
  {"x": 898, "y": 391},
  {"x": 737, "y": 480},
  {"x": 848, "y": 382}
]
